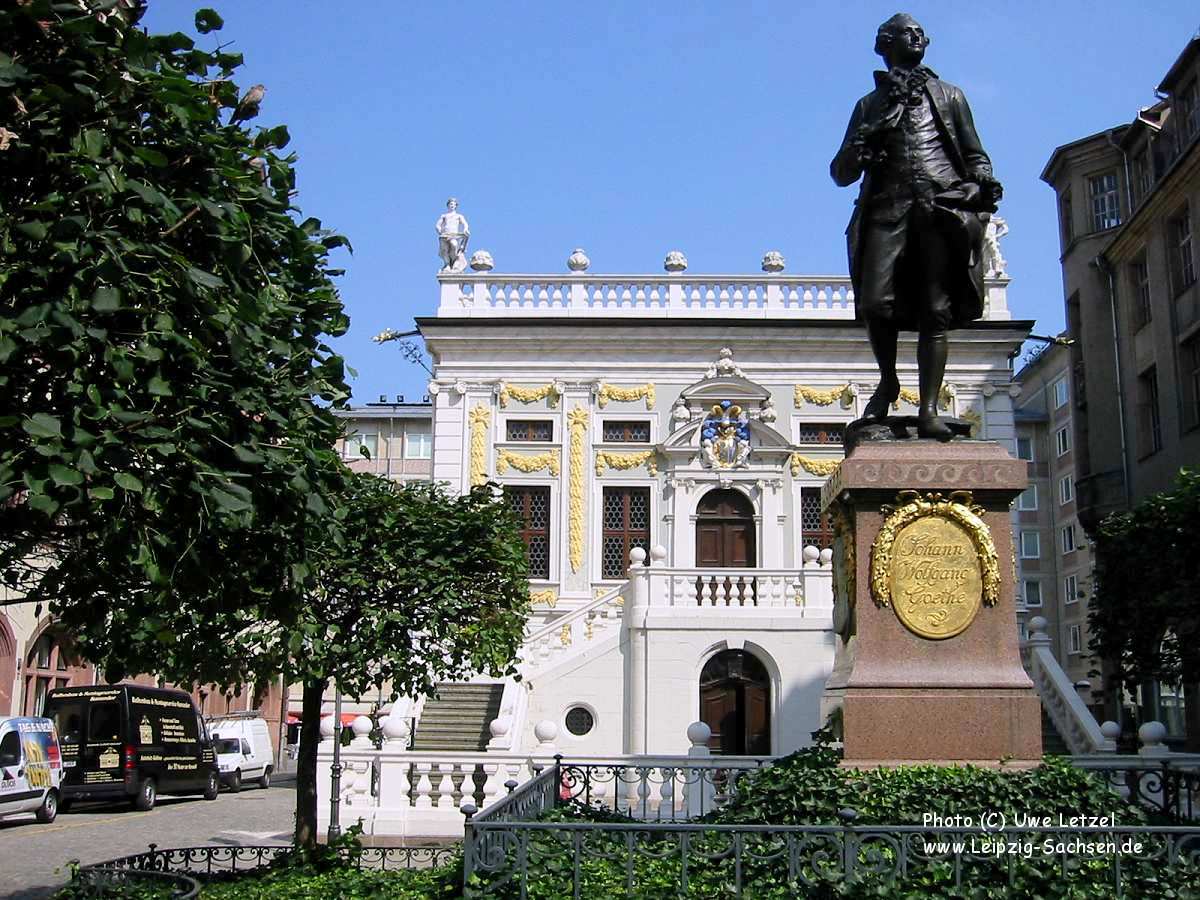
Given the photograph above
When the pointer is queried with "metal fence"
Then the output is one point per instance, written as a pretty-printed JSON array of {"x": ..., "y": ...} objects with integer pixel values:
[{"x": 1165, "y": 788}]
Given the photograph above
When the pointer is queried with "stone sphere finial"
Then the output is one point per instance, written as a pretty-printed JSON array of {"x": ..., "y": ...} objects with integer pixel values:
[
  {"x": 578, "y": 260},
  {"x": 361, "y": 726},
  {"x": 545, "y": 731},
  {"x": 327, "y": 727},
  {"x": 499, "y": 726},
  {"x": 810, "y": 554},
  {"x": 675, "y": 261},
  {"x": 637, "y": 556},
  {"x": 699, "y": 733},
  {"x": 826, "y": 557},
  {"x": 1036, "y": 625},
  {"x": 1151, "y": 735},
  {"x": 1111, "y": 730},
  {"x": 658, "y": 553},
  {"x": 773, "y": 261},
  {"x": 481, "y": 261},
  {"x": 395, "y": 728}
]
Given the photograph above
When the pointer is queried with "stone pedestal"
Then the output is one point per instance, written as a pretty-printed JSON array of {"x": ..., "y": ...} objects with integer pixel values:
[{"x": 907, "y": 698}]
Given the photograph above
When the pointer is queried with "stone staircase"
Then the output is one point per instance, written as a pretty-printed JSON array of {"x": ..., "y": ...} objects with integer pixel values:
[
  {"x": 1052, "y": 741},
  {"x": 458, "y": 718}
]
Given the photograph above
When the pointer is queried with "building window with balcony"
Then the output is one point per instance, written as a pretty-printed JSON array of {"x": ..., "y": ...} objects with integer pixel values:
[
  {"x": 1032, "y": 589},
  {"x": 1061, "y": 394},
  {"x": 1149, "y": 421},
  {"x": 816, "y": 529},
  {"x": 626, "y": 432},
  {"x": 1027, "y": 499},
  {"x": 1031, "y": 545},
  {"x": 1070, "y": 589},
  {"x": 1062, "y": 439},
  {"x": 1068, "y": 539},
  {"x": 626, "y": 525},
  {"x": 1190, "y": 363},
  {"x": 1075, "y": 639},
  {"x": 1066, "y": 226},
  {"x": 1105, "y": 201},
  {"x": 418, "y": 443},
  {"x": 531, "y": 503},
  {"x": 358, "y": 442},
  {"x": 1025, "y": 448},
  {"x": 530, "y": 430},
  {"x": 1139, "y": 279},
  {"x": 1182, "y": 263},
  {"x": 1066, "y": 489}
]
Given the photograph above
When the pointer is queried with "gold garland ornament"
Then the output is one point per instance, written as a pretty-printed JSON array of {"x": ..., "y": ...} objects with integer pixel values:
[
  {"x": 528, "y": 395},
  {"x": 822, "y": 467},
  {"x": 845, "y": 568},
  {"x": 564, "y": 636},
  {"x": 972, "y": 415},
  {"x": 480, "y": 418},
  {"x": 528, "y": 462},
  {"x": 548, "y": 597},
  {"x": 908, "y": 395},
  {"x": 577, "y": 422},
  {"x": 804, "y": 394},
  {"x": 934, "y": 561},
  {"x": 605, "y": 459},
  {"x": 626, "y": 395}
]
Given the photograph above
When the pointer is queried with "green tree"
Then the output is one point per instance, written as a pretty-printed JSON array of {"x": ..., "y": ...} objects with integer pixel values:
[
  {"x": 163, "y": 317},
  {"x": 418, "y": 586},
  {"x": 1145, "y": 612}
]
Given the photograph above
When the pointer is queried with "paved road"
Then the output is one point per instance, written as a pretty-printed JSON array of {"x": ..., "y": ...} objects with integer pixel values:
[{"x": 33, "y": 857}]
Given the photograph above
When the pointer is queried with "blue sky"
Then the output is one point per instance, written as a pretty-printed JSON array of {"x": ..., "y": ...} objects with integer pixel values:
[{"x": 630, "y": 129}]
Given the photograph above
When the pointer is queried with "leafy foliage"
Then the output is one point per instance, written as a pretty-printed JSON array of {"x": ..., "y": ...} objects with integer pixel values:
[
  {"x": 162, "y": 326},
  {"x": 1134, "y": 585}
]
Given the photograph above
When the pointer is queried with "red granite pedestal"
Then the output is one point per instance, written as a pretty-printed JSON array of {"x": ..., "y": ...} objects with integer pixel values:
[{"x": 905, "y": 698}]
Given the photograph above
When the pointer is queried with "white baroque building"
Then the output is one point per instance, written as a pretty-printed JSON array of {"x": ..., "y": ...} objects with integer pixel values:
[{"x": 685, "y": 422}]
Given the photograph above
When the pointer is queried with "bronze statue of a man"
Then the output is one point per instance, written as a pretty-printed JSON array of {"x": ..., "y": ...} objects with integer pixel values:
[{"x": 916, "y": 236}]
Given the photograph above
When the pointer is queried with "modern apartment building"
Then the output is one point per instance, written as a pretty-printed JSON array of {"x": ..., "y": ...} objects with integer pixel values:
[{"x": 397, "y": 437}]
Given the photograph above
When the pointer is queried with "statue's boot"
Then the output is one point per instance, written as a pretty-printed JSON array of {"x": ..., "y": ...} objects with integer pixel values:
[
  {"x": 932, "y": 350},
  {"x": 883, "y": 344}
]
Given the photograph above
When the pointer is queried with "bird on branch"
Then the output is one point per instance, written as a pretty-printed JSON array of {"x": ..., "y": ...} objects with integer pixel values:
[{"x": 247, "y": 107}]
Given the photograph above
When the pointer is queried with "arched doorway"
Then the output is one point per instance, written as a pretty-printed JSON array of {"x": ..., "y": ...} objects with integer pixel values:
[
  {"x": 51, "y": 663},
  {"x": 735, "y": 703},
  {"x": 725, "y": 539},
  {"x": 8, "y": 667}
]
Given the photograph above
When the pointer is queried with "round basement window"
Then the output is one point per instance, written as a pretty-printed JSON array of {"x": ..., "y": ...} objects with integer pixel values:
[{"x": 580, "y": 720}]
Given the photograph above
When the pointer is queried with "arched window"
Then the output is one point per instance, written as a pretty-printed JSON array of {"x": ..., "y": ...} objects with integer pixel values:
[
  {"x": 8, "y": 667},
  {"x": 735, "y": 703},
  {"x": 50, "y": 664}
]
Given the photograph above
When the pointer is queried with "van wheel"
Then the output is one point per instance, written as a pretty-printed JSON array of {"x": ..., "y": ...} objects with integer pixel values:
[
  {"x": 235, "y": 783},
  {"x": 265, "y": 781},
  {"x": 146, "y": 795},
  {"x": 212, "y": 788},
  {"x": 49, "y": 808}
]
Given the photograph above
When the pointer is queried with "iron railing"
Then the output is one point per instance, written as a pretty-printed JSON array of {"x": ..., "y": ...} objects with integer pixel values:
[
  {"x": 108, "y": 881},
  {"x": 1167, "y": 789}
]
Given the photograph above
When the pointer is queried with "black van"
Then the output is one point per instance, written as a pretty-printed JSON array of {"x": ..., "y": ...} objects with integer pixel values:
[{"x": 127, "y": 741}]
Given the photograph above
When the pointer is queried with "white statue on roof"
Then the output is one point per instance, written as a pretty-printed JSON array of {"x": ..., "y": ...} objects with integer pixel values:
[{"x": 453, "y": 233}]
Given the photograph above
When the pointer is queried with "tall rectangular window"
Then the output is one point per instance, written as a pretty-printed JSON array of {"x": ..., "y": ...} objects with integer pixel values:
[
  {"x": 1139, "y": 283},
  {"x": 1183, "y": 265},
  {"x": 1033, "y": 592},
  {"x": 1061, "y": 395},
  {"x": 358, "y": 442},
  {"x": 1075, "y": 639},
  {"x": 1190, "y": 364},
  {"x": 816, "y": 529},
  {"x": 1025, "y": 448},
  {"x": 626, "y": 525},
  {"x": 1066, "y": 489},
  {"x": 531, "y": 503},
  {"x": 530, "y": 430},
  {"x": 1149, "y": 421},
  {"x": 1027, "y": 499},
  {"x": 1062, "y": 439},
  {"x": 1068, "y": 538},
  {"x": 1066, "y": 224},
  {"x": 1143, "y": 175},
  {"x": 1187, "y": 113},
  {"x": 1070, "y": 589},
  {"x": 1031, "y": 545},
  {"x": 1105, "y": 201}
]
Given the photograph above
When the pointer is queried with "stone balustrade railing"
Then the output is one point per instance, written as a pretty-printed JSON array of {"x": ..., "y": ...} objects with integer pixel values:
[
  {"x": 567, "y": 634},
  {"x": 1070, "y": 715},
  {"x": 664, "y": 295}
]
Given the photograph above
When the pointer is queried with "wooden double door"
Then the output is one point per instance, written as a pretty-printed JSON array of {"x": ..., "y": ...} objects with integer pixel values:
[
  {"x": 725, "y": 536},
  {"x": 735, "y": 703}
]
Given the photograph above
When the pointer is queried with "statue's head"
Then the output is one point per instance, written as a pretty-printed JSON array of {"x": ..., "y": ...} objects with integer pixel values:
[
  {"x": 452, "y": 204},
  {"x": 901, "y": 39}
]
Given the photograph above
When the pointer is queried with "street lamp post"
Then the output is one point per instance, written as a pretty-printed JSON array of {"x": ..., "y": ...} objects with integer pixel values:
[{"x": 335, "y": 791}]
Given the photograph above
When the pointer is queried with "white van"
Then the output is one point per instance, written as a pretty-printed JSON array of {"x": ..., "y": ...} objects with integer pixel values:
[
  {"x": 243, "y": 745},
  {"x": 30, "y": 767}
]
